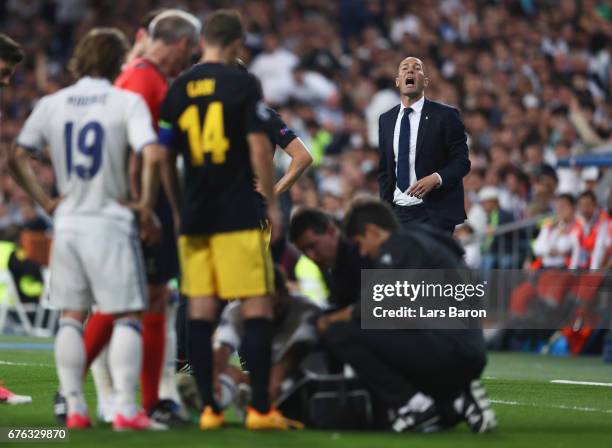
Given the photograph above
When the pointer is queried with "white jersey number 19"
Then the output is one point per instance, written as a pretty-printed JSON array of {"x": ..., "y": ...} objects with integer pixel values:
[{"x": 89, "y": 142}]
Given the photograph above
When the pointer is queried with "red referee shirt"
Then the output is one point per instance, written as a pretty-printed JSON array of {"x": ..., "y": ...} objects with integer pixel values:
[{"x": 145, "y": 78}]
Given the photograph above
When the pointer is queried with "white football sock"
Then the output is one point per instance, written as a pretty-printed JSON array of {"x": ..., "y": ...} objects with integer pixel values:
[
  {"x": 125, "y": 360},
  {"x": 102, "y": 375},
  {"x": 70, "y": 363},
  {"x": 103, "y": 381},
  {"x": 167, "y": 383}
]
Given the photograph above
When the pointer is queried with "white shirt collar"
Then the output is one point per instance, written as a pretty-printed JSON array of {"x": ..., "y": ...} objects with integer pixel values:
[
  {"x": 416, "y": 107},
  {"x": 92, "y": 80}
]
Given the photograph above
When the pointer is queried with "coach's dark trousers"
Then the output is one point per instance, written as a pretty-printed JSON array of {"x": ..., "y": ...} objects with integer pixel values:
[
  {"x": 395, "y": 364},
  {"x": 418, "y": 214}
]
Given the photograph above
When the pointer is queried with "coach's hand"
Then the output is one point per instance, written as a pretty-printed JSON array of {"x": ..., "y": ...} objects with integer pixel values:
[{"x": 423, "y": 186}]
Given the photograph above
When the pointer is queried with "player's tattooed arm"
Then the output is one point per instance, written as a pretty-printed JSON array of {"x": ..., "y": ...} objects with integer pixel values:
[
  {"x": 300, "y": 160},
  {"x": 20, "y": 169}
]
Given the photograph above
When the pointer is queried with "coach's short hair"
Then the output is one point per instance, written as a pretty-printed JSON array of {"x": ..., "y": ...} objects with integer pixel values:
[
  {"x": 369, "y": 211},
  {"x": 10, "y": 51},
  {"x": 174, "y": 24},
  {"x": 223, "y": 27},
  {"x": 100, "y": 53},
  {"x": 308, "y": 218}
]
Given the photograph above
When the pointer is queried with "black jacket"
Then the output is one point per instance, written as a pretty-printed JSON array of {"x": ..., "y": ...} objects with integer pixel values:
[
  {"x": 441, "y": 147},
  {"x": 344, "y": 279}
]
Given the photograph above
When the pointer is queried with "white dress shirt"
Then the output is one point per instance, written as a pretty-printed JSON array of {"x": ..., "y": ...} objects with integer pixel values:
[{"x": 400, "y": 197}]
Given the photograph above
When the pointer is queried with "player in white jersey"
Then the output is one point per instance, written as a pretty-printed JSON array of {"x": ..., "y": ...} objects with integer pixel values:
[{"x": 88, "y": 129}]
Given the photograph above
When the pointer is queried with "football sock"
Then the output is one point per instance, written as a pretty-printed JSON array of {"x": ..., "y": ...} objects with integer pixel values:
[
  {"x": 98, "y": 331},
  {"x": 167, "y": 383},
  {"x": 153, "y": 336},
  {"x": 70, "y": 363},
  {"x": 257, "y": 353},
  {"x": 102, "y": 376},
  {"x": 201, "y": 360},
  {"x": 125, "y": 360}
]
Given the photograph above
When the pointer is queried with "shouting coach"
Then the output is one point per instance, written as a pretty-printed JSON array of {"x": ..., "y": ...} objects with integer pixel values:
[{"x": 423, "y": 154}]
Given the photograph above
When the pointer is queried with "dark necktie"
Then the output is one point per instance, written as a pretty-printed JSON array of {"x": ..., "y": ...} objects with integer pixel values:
[{"x": 403, "y": 152}]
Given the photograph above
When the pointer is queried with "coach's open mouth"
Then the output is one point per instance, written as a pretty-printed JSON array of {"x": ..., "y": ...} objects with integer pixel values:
[{"x": 409, "y": 81}]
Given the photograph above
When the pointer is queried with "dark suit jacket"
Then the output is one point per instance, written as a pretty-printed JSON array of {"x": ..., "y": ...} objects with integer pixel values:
[{"x": 441, "y": 147}]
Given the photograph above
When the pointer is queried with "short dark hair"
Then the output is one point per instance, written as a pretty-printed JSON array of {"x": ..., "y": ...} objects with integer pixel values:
[
  {"x": 369, "y": 212},
  {"x": 10, "y": 51},
  {"x": 223, "y": 28},
  {"x": 100, "y": 53},
  {"x": 570, "y": 199},
  {"x": 308, "y": 218},
  {"x": 588, "y": 194}
]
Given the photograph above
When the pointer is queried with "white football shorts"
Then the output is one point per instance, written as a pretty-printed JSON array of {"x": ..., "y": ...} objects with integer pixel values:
[{"x": 101, "y": 265}]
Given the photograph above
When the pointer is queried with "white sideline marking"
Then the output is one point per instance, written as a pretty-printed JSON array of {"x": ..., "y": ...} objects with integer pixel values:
[
  {"x": 26, "y": 364},
  {"x": 560, "y": 406},
  {"x": 582, "y": 383}
]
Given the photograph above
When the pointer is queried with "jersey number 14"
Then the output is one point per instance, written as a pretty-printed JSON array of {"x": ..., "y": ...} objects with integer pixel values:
[{"x": 208, "y": 136}]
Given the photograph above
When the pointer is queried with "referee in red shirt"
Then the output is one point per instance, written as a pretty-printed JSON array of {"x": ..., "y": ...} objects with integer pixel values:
[{"x": 174, "y": 38}]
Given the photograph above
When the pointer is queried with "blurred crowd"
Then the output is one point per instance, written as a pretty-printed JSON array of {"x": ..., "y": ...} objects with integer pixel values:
[{"x": 531, "y": 78}]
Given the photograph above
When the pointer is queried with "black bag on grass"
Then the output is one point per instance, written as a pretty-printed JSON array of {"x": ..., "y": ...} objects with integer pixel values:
[{"x": 324, "y": 401}]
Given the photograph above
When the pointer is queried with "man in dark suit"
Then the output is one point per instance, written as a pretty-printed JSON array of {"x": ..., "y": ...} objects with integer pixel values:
[{"x": 423, "y": 154}]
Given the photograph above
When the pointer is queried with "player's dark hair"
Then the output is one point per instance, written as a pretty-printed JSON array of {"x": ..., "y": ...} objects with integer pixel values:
[
  {"x": 570, "y": 199},
  {"x": 308, "y": 218},
  {"x": 369, "y": 212},
  {"x": 100, "y": 53},
  {"x": 10, "y": 51},
  {"x": 588, "y": 194},
  {"x": 223, "y": 28}
]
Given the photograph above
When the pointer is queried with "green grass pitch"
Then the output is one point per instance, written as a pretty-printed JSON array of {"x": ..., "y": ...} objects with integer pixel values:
[{"x": 532, "y": 411}]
